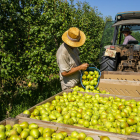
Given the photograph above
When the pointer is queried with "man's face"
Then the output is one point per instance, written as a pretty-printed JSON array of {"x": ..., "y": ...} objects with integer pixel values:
[{"x": 126, "y": 33}]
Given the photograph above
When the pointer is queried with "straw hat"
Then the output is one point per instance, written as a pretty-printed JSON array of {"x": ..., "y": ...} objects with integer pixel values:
[
  {"x": 126, "y": 30},
  {"x": 74, "y": 37}
]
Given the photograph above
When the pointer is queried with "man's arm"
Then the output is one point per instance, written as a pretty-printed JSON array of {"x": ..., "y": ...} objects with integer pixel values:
[{"x": 73, "y": 70}]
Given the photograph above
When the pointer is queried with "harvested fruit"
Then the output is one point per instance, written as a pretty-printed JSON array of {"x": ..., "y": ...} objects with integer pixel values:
[
  {"x": 111, "y": 114},
  {"x": 34, "y": 132},
  {"x": 95, "y": 90},
  {"x": 90, "y": 79}
]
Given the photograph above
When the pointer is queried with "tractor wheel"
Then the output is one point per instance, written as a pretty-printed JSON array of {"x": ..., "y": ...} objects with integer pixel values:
[{"x": 108, "y": 63}]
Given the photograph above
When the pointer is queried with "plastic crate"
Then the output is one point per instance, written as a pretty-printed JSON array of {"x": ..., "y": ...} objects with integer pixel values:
[{"x": 91, "y": 69}]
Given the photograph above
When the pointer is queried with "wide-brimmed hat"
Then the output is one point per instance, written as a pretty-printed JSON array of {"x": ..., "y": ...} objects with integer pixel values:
[
  {"x": 126, "y": 30},
  {"x": 74, "y": 37}
]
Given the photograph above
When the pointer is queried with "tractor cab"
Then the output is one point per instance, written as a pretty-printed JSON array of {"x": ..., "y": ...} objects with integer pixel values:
[{"x": 114, "y": 56}]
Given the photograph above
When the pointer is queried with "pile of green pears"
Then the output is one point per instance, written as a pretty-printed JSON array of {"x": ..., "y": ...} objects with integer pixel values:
[
  {"x": 96, "y": 90},
  {"x": 90, "y": 79},
  {"x": 111, "y": 114},
  {"x": 26, "y": 131}
]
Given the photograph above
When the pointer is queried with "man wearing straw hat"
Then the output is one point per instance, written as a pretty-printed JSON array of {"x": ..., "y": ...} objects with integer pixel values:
[
  {"x": 128, "y": 36},
  {"x": 68, "y": 58}
]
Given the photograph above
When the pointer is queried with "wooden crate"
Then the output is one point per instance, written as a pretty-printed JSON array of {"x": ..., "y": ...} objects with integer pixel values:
[
  {"x": 120, "y": 87},
  {"x": 118, "y": 75},
  {"x": 10, "y": 121},
  {"x": 69, "y": 128},
  {"x": 58, "y": 128}
]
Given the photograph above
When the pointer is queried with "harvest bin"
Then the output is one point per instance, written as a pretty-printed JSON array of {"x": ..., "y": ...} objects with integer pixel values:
[
  {"x": 118, "y": 75},
  {"x": 69, "y": 128},
  {"x": 120, "y": 87},
  {"x": 58, "y": 128}
]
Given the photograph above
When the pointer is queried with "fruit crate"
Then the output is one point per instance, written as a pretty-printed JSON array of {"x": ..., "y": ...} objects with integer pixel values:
[
  {"x": 118, "y": 75},
  {"x": 58, "y": 128},
  {"x": 120, "y": 87},
  {"x": 69, "y": 128}
]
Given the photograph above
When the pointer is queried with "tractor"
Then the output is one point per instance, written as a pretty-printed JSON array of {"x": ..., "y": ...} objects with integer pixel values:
[{"x": 114, "y": 55}]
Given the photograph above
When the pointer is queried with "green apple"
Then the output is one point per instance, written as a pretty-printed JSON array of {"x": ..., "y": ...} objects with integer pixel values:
[
  {"x": 111, "y": 118},
  {"x": 112, "y": 130},
  {"x": 123, "y": 125},
  {"x": 81, "y": 136},
  {"x": 111, "y": 98},
  {"x": 74, "y": 134},
  {"x": 104, "y": 138},
  {"x": 138, "y": 129},
  {"x": 84, "y": 77},
  {"x": 121, "y": 107},
  {"x": 13, "y": 132},
  {"x": 59, "y": 136},
  {"x": 45, "y": 118},
  {"x": 33, "y": 125},
  {"x": 41, "y": 130},
  {"x": 88, "y": 76},
  {"x": 132, "y": 105},
  {"x": 122, "y": 100},
  {"x": 70, "y": 121},
  {"x": 108, "y": 125},
  {"x": 35, "y": 133},
  {"x": 128, "y": 130},
  {"x": 94, "y": 122},
  {"x": 86, "y": 123},
  {"x": 47, "y": 134},
  {"x": 122, "y": 120},
  {"x": 138, "y": 103},
  {"x": 24, "y": 134},
  {"x": 124, "y": 114},
  {"x": 118, "y": 130},
  {"x": 91, "y": 72},
  {"x": 30, "y": 138},
  {"x": 89, "y": 138},
  {"x": 18, "y": 129},
  {"x": 65, "y": 134},
  {"x": 2, "y": 128},
  {"x": 49, "y": 130},
  {"x": 133, "y": 128},
  {"x": 15, "y": 137},
  {"x": 117, "y": 99},
  {"x": 27, "y": 112},
  {"x": 80, "y": 121},
  {"x": 135, "y": 109},
  {"x": 137, "y": 119},
  {"x": 2, "y": 136},
  {"x": 118, "y": 116},
  {"x": 123, "y": 131},
  {"x": 36, "y": 112},
  {"x": 126, "y": 102},
  {"x": 86, "y": 73},
  {"x": 8, "y": 127},
  {"x": 130, "y": 121}
]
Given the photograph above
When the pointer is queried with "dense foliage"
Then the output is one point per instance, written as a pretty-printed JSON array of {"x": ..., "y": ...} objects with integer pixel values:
[
  {"x": 30, "y": 34},
  {"x": 136, "y": 35}
]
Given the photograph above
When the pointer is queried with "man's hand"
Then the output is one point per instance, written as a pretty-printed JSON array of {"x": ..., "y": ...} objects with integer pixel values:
[
  {"x": 73, "y": 70},
  {"x": 84, "y": 66}
]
